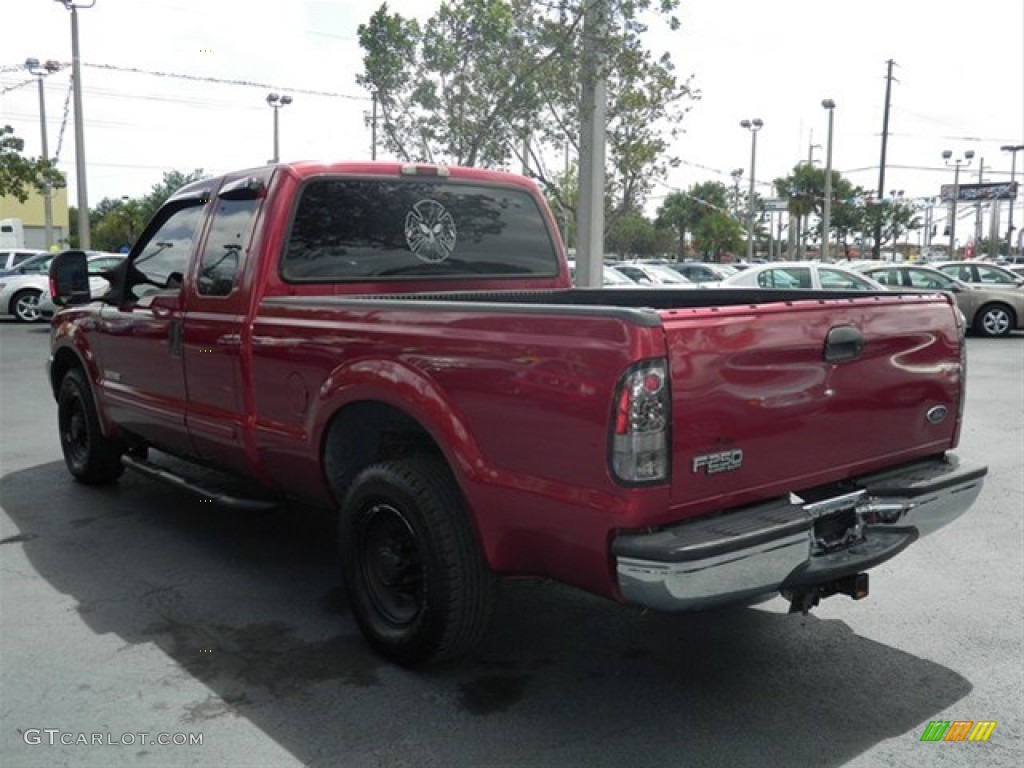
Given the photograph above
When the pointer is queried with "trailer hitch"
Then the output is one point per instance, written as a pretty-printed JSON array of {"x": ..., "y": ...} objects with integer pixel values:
[{"x": 803, "y": 599}]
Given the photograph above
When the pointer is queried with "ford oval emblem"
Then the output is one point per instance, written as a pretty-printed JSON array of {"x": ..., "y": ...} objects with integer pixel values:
[{"x": 937, "y": 414}]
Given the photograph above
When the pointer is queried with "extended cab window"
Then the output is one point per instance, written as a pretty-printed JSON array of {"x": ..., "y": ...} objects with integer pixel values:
[
  {"x": 229, "y": 236},
  {"x": 352, "y": 229},
  {"x": 163, "y": 260}
]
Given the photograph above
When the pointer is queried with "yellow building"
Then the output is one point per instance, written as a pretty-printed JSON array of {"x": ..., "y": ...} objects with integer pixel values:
[{"x": 33, "y": 217}]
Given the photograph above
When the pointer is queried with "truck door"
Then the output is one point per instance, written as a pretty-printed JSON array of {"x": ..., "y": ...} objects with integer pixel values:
[
  {"x": 213, "y": 330},
  {"x": 139, "y": 340}
]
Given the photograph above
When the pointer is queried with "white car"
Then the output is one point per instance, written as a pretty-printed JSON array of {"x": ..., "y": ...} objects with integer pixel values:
[
  {"x": 10, "y": 259},
  {"x": 800, "y": 275},
  {"x": 610, "y": 278},
  {"x": 651, "y": 275},
  {"x": 19, "y": 295},
  {"x": 97, "y": 262}
]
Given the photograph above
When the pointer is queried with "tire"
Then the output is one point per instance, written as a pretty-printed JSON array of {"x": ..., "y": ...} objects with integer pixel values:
[
  {"x": 25, "y": 306},
  {"x": 91, "y": 457},
  {"x": 415, "y": 578},
  {"x": 995, "y": 320}
]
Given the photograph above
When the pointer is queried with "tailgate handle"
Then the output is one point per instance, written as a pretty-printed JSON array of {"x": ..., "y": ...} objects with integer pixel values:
[{"x": 844, "y": 342}]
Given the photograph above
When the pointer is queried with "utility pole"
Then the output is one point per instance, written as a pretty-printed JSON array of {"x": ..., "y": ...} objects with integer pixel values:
[
  {"x": 1013, "y": 150},
  {"x": 41, "y": 70},
  {"x": 877, "y": 248},
  {"x": 84, "y": 238},
  {"x": 977, "y": 210},
  {"x": 593, "y": 110}
]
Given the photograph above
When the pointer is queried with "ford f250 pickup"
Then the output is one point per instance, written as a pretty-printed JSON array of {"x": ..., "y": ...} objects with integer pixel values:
[{"x": 402, "y": 345}]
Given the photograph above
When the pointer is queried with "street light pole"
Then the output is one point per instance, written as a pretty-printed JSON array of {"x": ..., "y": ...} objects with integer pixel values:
[
  {"x": 41, "y": 71},
  {"x": 826, "y": 224},
  {"x": 753, "y": 126},
  {"x": 276, "y": 101},
  {"x": 1013, "y": 149},
  {"x": 956, "y": 164},
  {"x": 84, "y": 238}
]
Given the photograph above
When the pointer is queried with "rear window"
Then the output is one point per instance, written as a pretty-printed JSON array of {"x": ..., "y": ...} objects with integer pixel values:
[{"x": 352, "y": 229}]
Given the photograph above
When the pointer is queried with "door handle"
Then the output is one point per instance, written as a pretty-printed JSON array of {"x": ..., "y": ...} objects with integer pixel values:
[
  {"x": 844, "y": 342},
  {"x": 174, "y": 338}
]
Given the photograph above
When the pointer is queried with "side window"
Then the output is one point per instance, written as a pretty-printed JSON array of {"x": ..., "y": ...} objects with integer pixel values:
[
  {"x": 921, "y": 279},
  {"x": 840, "y": 281},
  {"x": 793, "y": 277},
  {"x": 163, "y": 260},
  {"x": 227, "y": 241},
  {"x": 886, "y": 277},
  {"x": 986, "y": 275}
]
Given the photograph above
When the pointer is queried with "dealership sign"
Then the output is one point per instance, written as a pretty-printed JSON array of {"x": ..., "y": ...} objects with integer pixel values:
[{"x": 979, "y": 193}]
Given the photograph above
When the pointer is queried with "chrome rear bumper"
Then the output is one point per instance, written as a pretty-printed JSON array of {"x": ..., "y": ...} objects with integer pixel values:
[{"x": 790, "y": 543}]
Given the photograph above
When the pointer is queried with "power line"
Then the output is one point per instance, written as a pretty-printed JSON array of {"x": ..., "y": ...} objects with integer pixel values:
[{"x": 224, "y": 81}]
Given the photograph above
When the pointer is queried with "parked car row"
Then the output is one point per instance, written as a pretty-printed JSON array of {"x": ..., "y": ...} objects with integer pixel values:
[{"x": 991, "y": 297}]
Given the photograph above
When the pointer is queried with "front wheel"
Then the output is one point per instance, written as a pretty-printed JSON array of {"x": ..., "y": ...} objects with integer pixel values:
[
  {"x": 25, "y": 306},
  {"x": 995, "y": 320},
  {"x": 91, "y": 457},
  {"x": 415, "y": 578}
]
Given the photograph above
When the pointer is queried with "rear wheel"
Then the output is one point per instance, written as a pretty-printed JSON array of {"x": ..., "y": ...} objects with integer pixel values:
[
  {"x": 995, "y": 320},
  {"x": 91, "y": 457},
  {"x": 415, "y": 578},
  {"x": 25, "y": 306}
]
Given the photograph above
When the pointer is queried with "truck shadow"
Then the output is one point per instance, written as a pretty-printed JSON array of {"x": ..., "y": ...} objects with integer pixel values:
[{"x": 250, "y": 607}]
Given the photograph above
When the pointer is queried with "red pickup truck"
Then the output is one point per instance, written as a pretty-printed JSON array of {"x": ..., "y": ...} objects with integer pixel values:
[{"x": 402, "y": 345}]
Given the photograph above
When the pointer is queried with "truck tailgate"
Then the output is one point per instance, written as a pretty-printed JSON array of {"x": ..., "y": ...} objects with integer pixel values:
[{"x": 777, "y": 397}]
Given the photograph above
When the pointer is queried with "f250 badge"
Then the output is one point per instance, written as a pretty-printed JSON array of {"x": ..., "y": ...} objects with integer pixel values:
[{"x": 713, "y": 463}]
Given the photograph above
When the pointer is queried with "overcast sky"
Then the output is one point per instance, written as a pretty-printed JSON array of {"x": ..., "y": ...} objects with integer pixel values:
[{"x": 959, "y": 85}]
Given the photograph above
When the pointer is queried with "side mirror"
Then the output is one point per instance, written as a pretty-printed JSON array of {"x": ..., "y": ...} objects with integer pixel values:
[{"x": 69, "y": 278}]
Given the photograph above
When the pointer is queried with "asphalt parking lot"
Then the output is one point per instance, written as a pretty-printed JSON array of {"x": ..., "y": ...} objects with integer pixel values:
[{"x": 134, "y": 613}]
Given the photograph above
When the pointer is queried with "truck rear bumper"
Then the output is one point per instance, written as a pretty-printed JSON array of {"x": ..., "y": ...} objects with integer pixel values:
[{"x": 791, "y": 543}]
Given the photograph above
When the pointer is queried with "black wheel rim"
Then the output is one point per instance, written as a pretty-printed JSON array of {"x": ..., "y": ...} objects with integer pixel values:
[
  {"x": 391, "y": 565},
  {"x": 74, "y": 431}
]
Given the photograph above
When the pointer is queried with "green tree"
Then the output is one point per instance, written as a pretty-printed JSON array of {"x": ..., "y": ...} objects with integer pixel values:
[
  {"x": 442, "y": 97},
  {"x": 716, "y": 234},
  {"x": 116, "y": 223},
  {"x": 804, "y": 191},
  {"x": 634, "y": 235},
  {"x": 171, "y": 182},
  {"x": 19, "y": 175},
  {"x": 684, "y": 212}
]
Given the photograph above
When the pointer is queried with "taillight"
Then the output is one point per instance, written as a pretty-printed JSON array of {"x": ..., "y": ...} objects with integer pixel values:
[{"x": 641, "y": 417}]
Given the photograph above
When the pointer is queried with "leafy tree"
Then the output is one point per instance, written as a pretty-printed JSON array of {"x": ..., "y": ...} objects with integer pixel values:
[
  {"x": 684, "y": 212},
  {"x": 19, "y": 175},
  {"x": 117, "y": 223},
  {"x": 442, "y": 97},
  {"x": 804, "y": 191},
  {"x": 716, "y": 234},
  {"x": 171, "y": 182},
  {"x": 634, "y": 235}
]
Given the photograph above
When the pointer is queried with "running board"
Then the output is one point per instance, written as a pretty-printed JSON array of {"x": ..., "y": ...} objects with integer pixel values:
[{"x": 149, "y": 469}]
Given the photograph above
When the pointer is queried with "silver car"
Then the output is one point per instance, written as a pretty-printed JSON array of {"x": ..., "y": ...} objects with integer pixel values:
[
  {"x": 981, "y": 274},
  {"x": 988, "y": 311}
]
